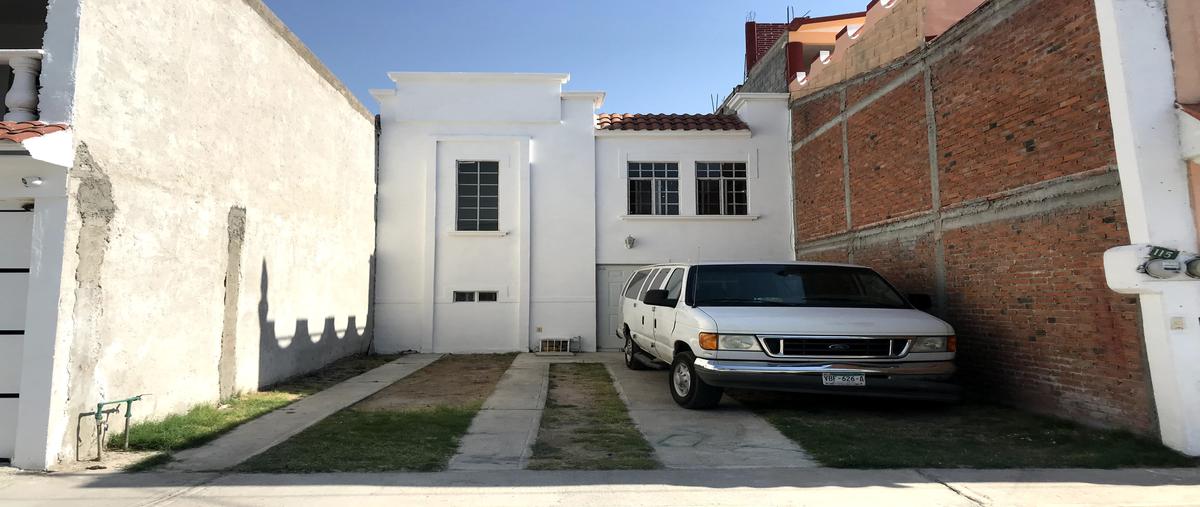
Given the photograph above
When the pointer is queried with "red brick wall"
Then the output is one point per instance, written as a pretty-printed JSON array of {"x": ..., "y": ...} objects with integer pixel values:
[
  {"x": 1018, "y": 104},
  {"x": 889, "y": 160},
  {"x": 1024, "y": 104},
  {"x": 759, "y": 39},
  {"x": 820, "y": 205}
]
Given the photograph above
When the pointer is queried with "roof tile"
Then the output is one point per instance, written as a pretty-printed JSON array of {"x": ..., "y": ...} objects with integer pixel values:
[
  {"x": 618, "y": 121},
  {"x": 17, "y": 131}
]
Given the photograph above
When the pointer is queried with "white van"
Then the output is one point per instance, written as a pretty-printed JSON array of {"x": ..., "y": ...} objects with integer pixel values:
[{"x": 790, "y": 326}]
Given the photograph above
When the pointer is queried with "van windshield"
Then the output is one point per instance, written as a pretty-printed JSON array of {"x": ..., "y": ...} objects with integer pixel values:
[{"x": 792, "y": 285}]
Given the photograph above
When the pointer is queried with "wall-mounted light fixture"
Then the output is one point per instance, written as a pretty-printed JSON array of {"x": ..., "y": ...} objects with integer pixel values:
[
  {"x": 630, "y": 241},
  {"x": 32, "y": 181}
]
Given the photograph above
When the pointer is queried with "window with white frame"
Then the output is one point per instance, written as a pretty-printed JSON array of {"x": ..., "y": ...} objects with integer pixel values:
[
  {"x": 478, "y": 196},
  {"x": 721, "y": 188},
  {"x": 653, "y": 188}
]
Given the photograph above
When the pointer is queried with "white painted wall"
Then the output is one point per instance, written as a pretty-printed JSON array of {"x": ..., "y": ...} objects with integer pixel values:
[
  {"x": 764, "y": 234},
  {"x": 1141, "y": 92},
  {"x": 541, "y": 261},
  {"x": 180, "y": 113}
]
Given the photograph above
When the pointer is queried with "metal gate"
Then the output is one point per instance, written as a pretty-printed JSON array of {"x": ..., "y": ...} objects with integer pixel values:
[
  {"x": 609, "y": 280},
  {"x": 16, "y": 231}
]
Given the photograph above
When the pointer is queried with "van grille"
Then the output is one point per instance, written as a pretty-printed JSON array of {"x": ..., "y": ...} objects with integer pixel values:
[{"x": 834, "y": 346}]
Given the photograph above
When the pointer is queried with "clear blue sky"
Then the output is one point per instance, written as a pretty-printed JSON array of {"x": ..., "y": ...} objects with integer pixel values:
[{"x": 648, "y": 55}]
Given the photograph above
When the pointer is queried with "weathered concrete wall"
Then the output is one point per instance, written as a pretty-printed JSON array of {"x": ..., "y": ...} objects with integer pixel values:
[
  {"x": 220, "y": 229},
  {"x": 981, "y": 169},
  {"x": 769, "y": 74}
]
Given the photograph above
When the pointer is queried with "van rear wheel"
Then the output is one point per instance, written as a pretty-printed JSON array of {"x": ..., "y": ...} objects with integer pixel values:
[
  {"x": 688, "y": 389},
  {"x": 631, "y": 352}
]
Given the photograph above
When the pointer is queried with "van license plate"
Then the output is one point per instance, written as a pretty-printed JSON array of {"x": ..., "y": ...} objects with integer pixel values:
[{"x": 836, "y": 379}]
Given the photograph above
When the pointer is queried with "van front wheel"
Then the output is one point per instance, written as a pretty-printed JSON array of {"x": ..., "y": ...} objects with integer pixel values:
[{"x": 687, "y": 389}]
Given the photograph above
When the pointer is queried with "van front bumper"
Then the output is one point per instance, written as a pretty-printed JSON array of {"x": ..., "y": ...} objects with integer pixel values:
[{"x": 928, "y": 380}]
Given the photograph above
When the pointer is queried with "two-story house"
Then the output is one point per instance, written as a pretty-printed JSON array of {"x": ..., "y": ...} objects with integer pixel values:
[{"x": 510, "y": 212}]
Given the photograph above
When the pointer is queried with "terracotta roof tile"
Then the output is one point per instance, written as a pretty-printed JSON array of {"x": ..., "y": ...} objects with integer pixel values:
[
  {"x": 617, "y": 121},
  {"x": 17, "y": 131},
  {"x": 1192, "y": 109}
]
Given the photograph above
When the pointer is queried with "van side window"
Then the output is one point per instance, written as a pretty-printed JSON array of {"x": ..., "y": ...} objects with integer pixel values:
[
  {"x": 635, "y": 284},
  {"x": 675, "y": 284},
  {"x": 655, "y": 282}
]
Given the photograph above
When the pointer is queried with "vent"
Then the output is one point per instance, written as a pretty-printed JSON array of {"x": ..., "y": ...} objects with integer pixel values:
[{"x": 558, "y": 346}]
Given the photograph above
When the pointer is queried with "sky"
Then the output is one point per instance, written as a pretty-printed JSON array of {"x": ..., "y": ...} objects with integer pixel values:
[{"x": 649, "y": 56}]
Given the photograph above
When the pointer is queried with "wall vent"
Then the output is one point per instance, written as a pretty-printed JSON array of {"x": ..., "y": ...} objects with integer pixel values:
[{"x": 558, "y": 346}]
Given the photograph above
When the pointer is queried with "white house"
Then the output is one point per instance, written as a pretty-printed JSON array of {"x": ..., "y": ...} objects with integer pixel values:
[{"x": 510, "y": 212}]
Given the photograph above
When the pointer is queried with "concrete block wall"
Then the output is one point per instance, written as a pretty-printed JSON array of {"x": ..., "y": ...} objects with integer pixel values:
[
  {"x": 220, "y": 225},
  {"x": 981, "y": 169},
  {"x": 769, "y": 74}
]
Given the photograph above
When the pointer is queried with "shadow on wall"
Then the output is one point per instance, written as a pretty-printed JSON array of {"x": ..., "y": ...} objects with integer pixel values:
[{"x": 304, "y": 349}]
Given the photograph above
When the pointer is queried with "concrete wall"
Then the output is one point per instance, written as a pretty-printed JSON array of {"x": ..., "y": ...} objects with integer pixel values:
[
  {"x": 769, "y": 74},
  {"x": 763, "y": 234},
  {"x": 981, "y": 169},
  {"x": 222, "y": 190},
  {"x": 541, "y": 261}
]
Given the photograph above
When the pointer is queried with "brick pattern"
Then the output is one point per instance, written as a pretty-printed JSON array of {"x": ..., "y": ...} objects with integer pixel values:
[
  {"x": 907, "y": 263},
  {"x": 765, "y": 36},
  {"x": 1022, "y": 104},
  {"x": 807, "y": 118},
  {"x": 889, "y": 160},
  {"x": 819, "y": 189},
  {"x": 841, "y": 255},
  {"x": 1037, "y": 322}
]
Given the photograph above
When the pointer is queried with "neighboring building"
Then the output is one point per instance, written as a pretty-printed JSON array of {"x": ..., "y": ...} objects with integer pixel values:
[
  {"x": 509, "y": 212},
  {"x": 186, "y": 207},
  {"x": 972, "y": 155}
]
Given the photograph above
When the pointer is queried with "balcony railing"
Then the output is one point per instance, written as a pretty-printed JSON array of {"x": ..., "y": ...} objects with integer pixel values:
[{"x": 21, "y": 98}]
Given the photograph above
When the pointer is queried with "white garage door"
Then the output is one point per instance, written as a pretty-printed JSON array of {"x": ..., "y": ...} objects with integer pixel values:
[
  {"x": 609, "y": 280},
  {"x": 15, "y": 233}
]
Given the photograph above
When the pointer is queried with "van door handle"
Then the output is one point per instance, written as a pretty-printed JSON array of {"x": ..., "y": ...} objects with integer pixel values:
[
  {"x": 655, "y": 323},
  {"x": 643, "y": 320}
]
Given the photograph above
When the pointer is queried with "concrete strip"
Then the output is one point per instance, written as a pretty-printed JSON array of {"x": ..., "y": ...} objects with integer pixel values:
[
  {"x": 527, "y": 488},
  {"x": 502, "y": 434},
  {"x": 269, "y": 430},
  {"x": 728, "y": 436}
]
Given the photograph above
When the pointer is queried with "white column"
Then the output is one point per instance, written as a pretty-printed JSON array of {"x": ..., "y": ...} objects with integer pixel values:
[
  {"x": 22, "y": 97},
  {"x": 1141, "y": 92}
]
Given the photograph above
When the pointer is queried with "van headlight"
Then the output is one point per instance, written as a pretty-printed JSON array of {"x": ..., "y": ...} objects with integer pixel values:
[
  {"x": 737, "y": 342},
  {"x": 932, "y": 344}
]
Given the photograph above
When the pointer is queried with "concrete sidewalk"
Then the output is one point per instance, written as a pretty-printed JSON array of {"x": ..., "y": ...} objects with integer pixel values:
[
  {"x": 772, "y": 486},
  {"x": 269, "y": 430}
]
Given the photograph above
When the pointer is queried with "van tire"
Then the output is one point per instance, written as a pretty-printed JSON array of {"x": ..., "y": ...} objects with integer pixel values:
[
  {"x": 696, "y": 394},
  {"x": 631, "y": 351}
]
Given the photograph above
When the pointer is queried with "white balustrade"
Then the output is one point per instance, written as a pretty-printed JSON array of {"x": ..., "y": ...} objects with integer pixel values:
[{"x": 22, "y": 97}]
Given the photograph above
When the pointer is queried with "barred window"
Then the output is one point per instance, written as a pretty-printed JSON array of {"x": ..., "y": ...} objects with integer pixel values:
[
  {"x": 721, "y": 188},
  {"x": 653, "y": 188},
  {"x": 478, "y": 196}
]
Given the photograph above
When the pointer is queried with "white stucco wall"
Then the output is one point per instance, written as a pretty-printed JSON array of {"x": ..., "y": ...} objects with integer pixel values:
[
  {"x": 764, "y": 234},
  {"x": 182, "y": 113},
  {"x": 542, "y": 259}
]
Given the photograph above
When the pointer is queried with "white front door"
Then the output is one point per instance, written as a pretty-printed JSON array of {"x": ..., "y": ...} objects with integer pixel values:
[
  {"x": 16, "y": 231},
  {"x": 610, "y": 279}
]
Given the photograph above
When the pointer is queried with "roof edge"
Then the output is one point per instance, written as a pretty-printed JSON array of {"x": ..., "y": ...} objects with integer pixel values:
[
  {"x": 561, "y": 78},
  {"x": 307, "y": 55}
]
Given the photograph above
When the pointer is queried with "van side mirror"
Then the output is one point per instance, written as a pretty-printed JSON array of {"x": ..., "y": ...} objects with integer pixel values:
[
  {"x": 921, "y": 302},
  {"x": 657, "y": 297}
]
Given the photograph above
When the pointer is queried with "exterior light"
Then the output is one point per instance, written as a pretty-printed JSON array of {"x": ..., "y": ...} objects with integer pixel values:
[
  {"x": 31, "y": 181},
  {"x": 630, "y": 241}
]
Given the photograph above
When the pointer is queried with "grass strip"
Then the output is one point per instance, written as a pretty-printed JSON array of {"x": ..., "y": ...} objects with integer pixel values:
[
  {"x": 874, "y": 433},
  {"x": 413, "y": 425},
  {"x": 585, "y": 425},
  {"x": 205, "y": 422}
]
